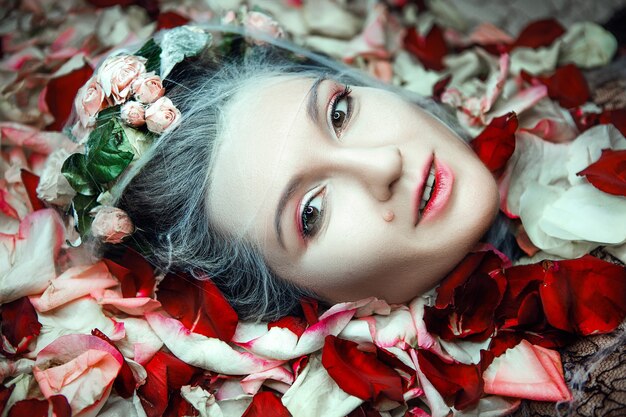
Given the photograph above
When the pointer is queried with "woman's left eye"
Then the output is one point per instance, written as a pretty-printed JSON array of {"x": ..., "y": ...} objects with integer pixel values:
[
  {"x": 311, "y": 215},
  {"x": 340, "y": 110}
]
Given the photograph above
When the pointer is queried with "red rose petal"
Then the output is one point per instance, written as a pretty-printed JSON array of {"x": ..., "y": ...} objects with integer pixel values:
[
  {"x": 496, "y": 143},
  {"x": 608, "y": 173},
  {"x": 585, "y": 121},
  {"x": 31, "y": 181},
  {"x": 584, "y": 296},
  {"x": 60, "y": 94},
  {"x": 199, "y": 305},
  {"x": 460, "y": 382},
  {"x": 5, "y": 393},
  {"x": 429, "y": 49},
  {"x": 136, "y": 275},
  {"x": 539, "y": 33},
  {"x": 166, "y": 373},
  {"x": 19, "y": 325},
  {"x": 440, "y": 87},
  {"x": 467, "y": 299},
  {"x": 296, "y": 324},
  {"x": 310, "y": 310},
  {"x": 567, "y": 85},
  {"x": 56, "y": 405},
  {"x": 266, "y": 404},
  {"x": 360, "y": 373},
  {"x": 170, "y": 19}
]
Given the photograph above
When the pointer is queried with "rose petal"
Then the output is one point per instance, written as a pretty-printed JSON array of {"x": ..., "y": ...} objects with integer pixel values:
[
  {"x": 461, "y": 382},
  {"x": 253, "y": 382},
  {"x": 265, "y": 404},
  {"x": 315, "y": 393},
  {"x": 430, "y": 49},
  {"x": 585, "y": 295},
  {"x": 608, "y": 173},
  {"x": 539, "y": 33},
  {"x": 567, "y": 85},
  {"x": 74, "y": 283},
  {"x": 55, "y": 405},
  {"x": 495, "y": 145},
  {"x": 204, "y": 352},
  {"x": 60, "y": 94},
  {"x": 360, "y": 373},
  {"x": 40, "y": 233},
  {"x": 527, "y": 371},
  {"x": 19, "y": 326},
  {"x": 166, "y": 373},
  {"x": 199, "y": 305}
]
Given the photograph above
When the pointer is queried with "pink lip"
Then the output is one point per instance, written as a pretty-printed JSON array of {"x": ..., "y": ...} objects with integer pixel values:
[
  {"x": 444, "y": 179},
  {"x": 417, "y": 198}
]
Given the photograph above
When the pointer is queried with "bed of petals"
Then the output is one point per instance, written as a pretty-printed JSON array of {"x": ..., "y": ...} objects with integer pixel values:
[{"x": 85, "y": 337}]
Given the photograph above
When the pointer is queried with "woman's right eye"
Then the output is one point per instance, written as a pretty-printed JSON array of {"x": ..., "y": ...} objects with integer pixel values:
[
  {"x": 340, "y": 110},
  {"x": 311, "y": 214}
]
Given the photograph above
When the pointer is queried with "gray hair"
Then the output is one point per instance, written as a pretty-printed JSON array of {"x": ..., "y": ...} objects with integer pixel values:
[{"x": 165, "y": 193}]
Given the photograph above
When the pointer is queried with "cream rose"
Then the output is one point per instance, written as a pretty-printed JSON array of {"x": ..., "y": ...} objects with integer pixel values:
[
  {"x": 133, "y": 113},
  {"x": 88, "y": 102},
  {"x": 117, "y": 74},
  {"x": 148, "y": 89},
  {"x": 111, "y": 224},
  {"x": 162, "y": 116}
]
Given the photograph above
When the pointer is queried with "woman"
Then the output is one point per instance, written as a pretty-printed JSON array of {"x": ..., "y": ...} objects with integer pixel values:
[{"x": 287, "y": 178}]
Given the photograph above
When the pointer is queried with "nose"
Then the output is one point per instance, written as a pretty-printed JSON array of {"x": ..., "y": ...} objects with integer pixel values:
[{"x": 377, "y": 168}]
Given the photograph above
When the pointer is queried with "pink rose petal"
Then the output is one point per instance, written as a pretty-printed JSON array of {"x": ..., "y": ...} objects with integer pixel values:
[
  {"x": 74, "y": 283},
  {"x": 527, "y": 371}
]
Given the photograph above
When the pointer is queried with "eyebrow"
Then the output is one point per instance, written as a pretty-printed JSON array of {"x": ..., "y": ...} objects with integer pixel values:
[{"x": 288, "y": 192}]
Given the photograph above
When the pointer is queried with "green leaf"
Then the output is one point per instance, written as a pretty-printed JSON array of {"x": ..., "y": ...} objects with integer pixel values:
[
  {"x": 75, "y": 170},
  {"x": 107, "y": 114},
  {"x": 108, "y": 152},
  {"x": 152, "y": 52},
  {"x": 83, "y": 204}
]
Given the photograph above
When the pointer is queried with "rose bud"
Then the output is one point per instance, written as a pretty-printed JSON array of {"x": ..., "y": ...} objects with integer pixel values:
[
  {"x": 117, "y": 75},
  {"x": 88, "y": 102},
  {"x": 162, "y": 116},
  {"x": 260, "y": 23},
  {"x": 148, "y": 89},
  {"x": 133, "y": 113},
  {"x": 111, "y": 224}
]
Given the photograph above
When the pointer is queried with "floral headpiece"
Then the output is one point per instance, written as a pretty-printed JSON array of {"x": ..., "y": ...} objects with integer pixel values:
[{"x": 123, "y": 108}]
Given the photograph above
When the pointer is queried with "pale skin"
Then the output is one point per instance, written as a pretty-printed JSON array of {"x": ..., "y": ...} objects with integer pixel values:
[{"x": 348, "y": 228}]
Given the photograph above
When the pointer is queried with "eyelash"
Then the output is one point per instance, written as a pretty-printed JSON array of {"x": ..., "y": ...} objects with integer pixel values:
[{"x": 344, "y": 94}]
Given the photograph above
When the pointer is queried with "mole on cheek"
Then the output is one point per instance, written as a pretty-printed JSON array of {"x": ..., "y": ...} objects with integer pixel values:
[{"x": 388, "y": 215}]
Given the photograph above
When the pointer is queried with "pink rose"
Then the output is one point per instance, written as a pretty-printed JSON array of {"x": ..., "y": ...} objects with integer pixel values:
[
  {"x": 133, "y": 113},
  {"x": 162, "y": 115},
  {"x": 80, "y": 367},
  {"x": 117, "y": 74},
  {"x": 88, "y": 102},
  {"x": 148, "y": 88},
  {"x": 111, "y": 224},
  {"x": 260, "y": 23}
]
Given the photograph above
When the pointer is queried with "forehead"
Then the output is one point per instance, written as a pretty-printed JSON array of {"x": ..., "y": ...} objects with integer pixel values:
[{"x": 254, "y": 155}]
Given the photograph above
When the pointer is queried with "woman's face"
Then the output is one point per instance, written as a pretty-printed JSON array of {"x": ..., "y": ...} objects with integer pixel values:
[{"x": 329, "y": 181}]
